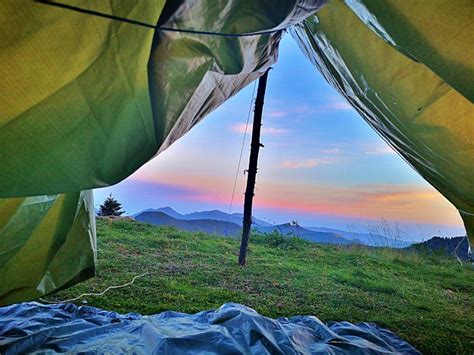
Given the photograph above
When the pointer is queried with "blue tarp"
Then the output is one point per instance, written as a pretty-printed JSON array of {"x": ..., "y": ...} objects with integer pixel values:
[{"x": 232, "y": 329}]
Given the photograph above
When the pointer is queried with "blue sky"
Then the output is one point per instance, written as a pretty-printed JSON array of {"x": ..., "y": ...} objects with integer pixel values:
[{"x": 321, "y": 165}]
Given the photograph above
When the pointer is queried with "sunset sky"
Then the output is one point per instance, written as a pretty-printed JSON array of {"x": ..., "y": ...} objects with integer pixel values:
[{"x": 321, "y": 165}]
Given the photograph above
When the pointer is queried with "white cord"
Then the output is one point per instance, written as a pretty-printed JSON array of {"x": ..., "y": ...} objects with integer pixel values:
[
  {"x": 242, "y": 150},
  {"x": 456, "y": 250},
  {"x": 97, "y": 294}
]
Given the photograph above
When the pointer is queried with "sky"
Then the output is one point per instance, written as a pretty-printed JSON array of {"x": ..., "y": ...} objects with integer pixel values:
[{"x": 322, "y": 165}]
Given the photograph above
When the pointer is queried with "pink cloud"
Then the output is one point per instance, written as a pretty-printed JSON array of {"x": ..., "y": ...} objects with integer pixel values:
[{"x": 395, "y": 202}]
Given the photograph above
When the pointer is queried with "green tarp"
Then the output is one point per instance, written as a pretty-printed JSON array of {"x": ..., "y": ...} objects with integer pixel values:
[
  {"x": 408, "y": 69},
  {"x": 47, "y": 243},
  {"x": 86, "y": 100}
]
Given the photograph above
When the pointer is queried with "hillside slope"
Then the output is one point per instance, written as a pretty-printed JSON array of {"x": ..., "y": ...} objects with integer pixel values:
[
  {"x": 453, "y": 247},
  {"x": 426, "y": 300}
]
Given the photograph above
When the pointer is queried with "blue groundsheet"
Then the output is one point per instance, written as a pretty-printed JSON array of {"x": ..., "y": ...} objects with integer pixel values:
[{"x": 232, "y": 329}]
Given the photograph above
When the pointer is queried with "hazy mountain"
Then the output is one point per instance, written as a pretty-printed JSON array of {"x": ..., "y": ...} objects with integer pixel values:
[
  {"x": 214, "y": 214},
  {"x": 372, "y": 239},
  {"x": 457, "y": 246},
  {"x": 195, "y": 225},
  {"x": 222, "y": 216},
  {"x": 228, "y": 222},
  {"x": 303, "y": 233},
  {"x": 166, "y": 210}
]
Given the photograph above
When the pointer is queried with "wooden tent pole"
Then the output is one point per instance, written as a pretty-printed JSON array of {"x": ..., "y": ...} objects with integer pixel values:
[{"x": 252, "y": 170}]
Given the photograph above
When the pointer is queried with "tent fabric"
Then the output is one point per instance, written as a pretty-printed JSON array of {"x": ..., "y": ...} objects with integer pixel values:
[
  {"x": 191, "y": 75},
  {"x": 409, "y": 75},
  {"x": 410, "y": 27},
  {"x": 86, "y": 100},
  {"x": 46, "y": 243},
  {"x": 75, "y": 108},
  {"x": 97, "y": 98},
  {"x": 231, "y": 329}
]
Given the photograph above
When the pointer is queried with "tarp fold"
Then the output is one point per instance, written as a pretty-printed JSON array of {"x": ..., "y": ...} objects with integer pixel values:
[
  {"x": 398, "y": 76},
  {"x": 231, "y": 329}
]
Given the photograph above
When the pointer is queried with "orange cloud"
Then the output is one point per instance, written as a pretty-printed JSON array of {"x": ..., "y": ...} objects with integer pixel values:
[
  {"x": 402, "y": 203},
  {"x": 393, "y": 202}
]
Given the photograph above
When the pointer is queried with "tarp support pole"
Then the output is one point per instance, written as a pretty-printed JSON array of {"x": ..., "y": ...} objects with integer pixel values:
[{"x": 252, "y": 170}]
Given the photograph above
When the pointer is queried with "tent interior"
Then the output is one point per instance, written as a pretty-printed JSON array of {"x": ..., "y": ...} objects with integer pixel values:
[{"x": 92, "y": 90}]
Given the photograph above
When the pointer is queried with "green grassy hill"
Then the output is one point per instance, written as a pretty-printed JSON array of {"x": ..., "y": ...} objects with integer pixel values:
[{"x": 427, "y": 300}]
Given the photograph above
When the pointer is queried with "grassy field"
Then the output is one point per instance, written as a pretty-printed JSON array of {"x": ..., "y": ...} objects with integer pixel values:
[{"x": 428, "y": 300}]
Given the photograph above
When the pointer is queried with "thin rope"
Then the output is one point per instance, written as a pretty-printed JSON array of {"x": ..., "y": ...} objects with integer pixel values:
[
  {"x": 456, "y": 250},
  {"x": 242, "y": 150},
  {"x": 148, "y": 25},
  {"x": 100, "y": 293}
]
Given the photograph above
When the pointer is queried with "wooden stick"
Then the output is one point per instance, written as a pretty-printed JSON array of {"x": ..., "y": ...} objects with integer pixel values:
[{"x": 252, "y": 170}]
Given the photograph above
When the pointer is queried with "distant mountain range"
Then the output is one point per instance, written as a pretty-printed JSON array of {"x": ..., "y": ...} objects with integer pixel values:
[
  {"x": 209, "y": 226},
  {"x": 221, "y": 223},
  {"x": 306, "y": 234},
  {"x": 372, "y": 239},
  {"x": 216, "y": 215},
  {"x": 230, "y": 225}
]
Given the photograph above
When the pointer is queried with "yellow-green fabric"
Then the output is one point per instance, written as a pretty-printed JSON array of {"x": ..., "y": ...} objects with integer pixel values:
[
  {"x": 408, "y": 70},
  {"x": 75, "y": 108},
  {"x": 437, "y": 33},
  {"x": 47, "y": 242},
  {"x": 96, "y": 98},
  {"x": 86, "y": 100}
]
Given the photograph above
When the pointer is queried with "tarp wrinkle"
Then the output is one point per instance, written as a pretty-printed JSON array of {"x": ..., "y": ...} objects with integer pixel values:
[
  {"x": 231, "y": 329},
  {"x": 86, "y": 101},
  {"x": 364, "y": 48}
]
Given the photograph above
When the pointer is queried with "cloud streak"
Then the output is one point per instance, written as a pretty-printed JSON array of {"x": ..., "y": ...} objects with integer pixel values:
[
  {"x": 328, "y": 156},
  {"x": 394, "y": 202},
  {"x": 267, "y": 130},
  {"x": 380, "y": 150},
  {"x": 323, "y": 105},
  {"x": 307, "y": 163},
  {"x": 277, "y": 114}
]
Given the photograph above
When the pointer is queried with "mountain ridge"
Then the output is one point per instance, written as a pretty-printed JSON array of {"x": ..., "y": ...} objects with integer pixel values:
[
  {"x": 306, "y": 234},
  {"x": 196, "y": 225},
  {"x": 455, "y": 247},
  {"x": 372, "y": 239},
  {"x": 212, "y": 214},
  {"x": 207, "y": 221}
]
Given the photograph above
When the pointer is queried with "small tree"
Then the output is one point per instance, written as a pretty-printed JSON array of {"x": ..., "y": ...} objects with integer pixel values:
[{"x": 110, "y": 207}]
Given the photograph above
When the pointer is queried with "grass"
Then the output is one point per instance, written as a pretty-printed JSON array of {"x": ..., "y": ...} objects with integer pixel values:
[{"x": 427, "y": 300}]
